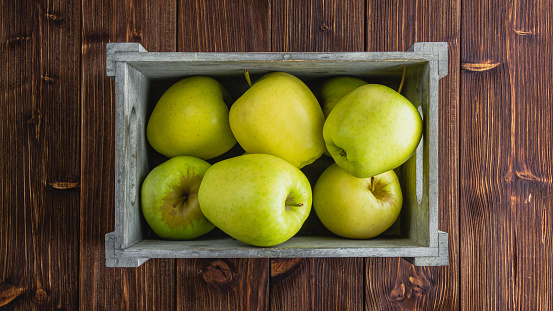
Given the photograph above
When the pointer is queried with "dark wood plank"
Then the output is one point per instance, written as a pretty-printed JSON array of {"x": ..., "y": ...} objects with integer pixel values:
[
  {"x": 222, "y": 284},
  {"x": 223, "y": 26},
  {"x": 394, "y": 283},
  {"x": 40, "y": 155},
  {"x": 151, "y": 286},
  {"x": 317, "y": 283},
  {"x": 318, "y": 26},
  {"x": 506, "y": 173},
  {"x": 17, "y": 51}
]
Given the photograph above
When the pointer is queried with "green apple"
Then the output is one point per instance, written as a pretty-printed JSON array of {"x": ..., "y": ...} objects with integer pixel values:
[
  {"x": 373, "y": 129},
  {"x": 333, "y": 89},
  {"x": 191, "y": 118},
  {"x": 279, "y": 115},
  {"x": 259, "y": 199},
  {"x": 357, "y": 208},
  {"x": 169, "y": 199}
]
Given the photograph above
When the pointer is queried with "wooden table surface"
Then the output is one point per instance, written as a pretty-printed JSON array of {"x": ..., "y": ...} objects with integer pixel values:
[{"x": 57, "y": 155}]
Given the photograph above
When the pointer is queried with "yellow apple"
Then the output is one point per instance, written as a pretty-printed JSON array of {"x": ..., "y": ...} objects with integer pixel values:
[
  {"x": 259, "y": 199},
  {"x": 357, "y": 208},
  {"x": 371, "y": 130},
  {"x": 279, "y": 115},
  {"x": 169, "y": 199},
  {"x": 191, "y": 119},
  {"x": 333, "y": 89}
]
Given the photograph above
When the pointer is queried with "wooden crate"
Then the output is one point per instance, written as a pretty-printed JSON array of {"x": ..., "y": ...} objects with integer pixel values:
[{"x": 140, "y": 79}]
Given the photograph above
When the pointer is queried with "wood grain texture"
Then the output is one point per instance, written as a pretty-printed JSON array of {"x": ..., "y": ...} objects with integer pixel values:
[
  {"x": 223, "y": 26},
  {"x": 151, "y": 286},
  {"x": 321, "y": 26},
  {"x": 38, "y": 148},
  {"x": 153, "y": 25},
  {"x": 507, "y": 179},
  {"x": 317, "y": 283},
  {"x": 17, "y": 54},
  {"x": 57, "y": 144},
  {"x": 394, "y": 283},
  {"x": 9, "y": 292},
  {"x": 222, "y": 284}
]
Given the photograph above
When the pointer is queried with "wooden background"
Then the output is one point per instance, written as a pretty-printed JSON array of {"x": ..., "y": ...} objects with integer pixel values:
[{"x": 57, "y": 155}]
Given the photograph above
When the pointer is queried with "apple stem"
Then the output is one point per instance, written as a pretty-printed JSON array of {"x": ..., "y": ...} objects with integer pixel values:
[
  {"x": 247, "y": 75},
  {"x": 180, "y": 200},
  {"x": 402, "y": 79},
  {"x": 372, "y": 184}
]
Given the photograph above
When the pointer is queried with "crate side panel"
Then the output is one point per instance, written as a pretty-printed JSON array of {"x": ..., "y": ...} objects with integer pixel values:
[
  {"x": 433, "y": 151},
  {"x": 173, "y": 68},
  {"x": 133, "y": 167},
  {"x": 301, "y": 246},
  {"x": 135, "y": 58},
  {"x": 137, "y": 158},
  {"x": 121, "y": 171},
  {"x": 415, "y": 217}
]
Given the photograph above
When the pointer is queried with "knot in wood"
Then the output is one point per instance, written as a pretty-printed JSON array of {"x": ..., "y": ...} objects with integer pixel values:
[
  {"x": 41, "y": 294},
  {"x": 420, "y": 285},
  {"x": 137, "y": 35},
  {"x": 62, "y": 185},
  {"x": 217, "y": 272},
  {"x": 479, "y": 66},
  {"x": 54, "y": 18},
  {"x": 47, "y": 79},
  {"x": 18, "y": 40},
  {"x": 35, "y": 119},
  {"x": 324, "y": 27},
  {"x": 282, "y": 267},
  {"x": 398, "y": 293}
]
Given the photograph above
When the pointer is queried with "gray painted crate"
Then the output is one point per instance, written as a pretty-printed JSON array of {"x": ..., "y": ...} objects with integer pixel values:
[{"x": 141, "y": 77}]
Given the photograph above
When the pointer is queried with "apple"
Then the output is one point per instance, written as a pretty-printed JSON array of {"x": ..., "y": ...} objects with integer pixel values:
[
  {"x": 259, "y": 199},
  {"x": 169, "y": 199},
  {"x": 371, "y": 130},
  {"x": 357, "y": 208},
  {"x": 332, "y": 90},
  {"x": 279, "y": 115},
  {"x": 191, "y": 118}
]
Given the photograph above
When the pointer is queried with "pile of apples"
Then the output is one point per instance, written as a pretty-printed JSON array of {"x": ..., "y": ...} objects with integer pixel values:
[{"x": 262, "y": 197}]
